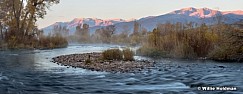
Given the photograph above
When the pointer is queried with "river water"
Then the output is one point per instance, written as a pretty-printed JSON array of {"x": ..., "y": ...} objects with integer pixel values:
[{"x": 31, "y": 72}]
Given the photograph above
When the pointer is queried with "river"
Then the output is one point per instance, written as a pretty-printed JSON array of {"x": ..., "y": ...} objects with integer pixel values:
[{"x": 32, "y": 72}]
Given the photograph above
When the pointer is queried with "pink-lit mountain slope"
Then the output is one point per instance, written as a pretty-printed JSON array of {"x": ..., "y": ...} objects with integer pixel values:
[{"x": 185, "y": 15}]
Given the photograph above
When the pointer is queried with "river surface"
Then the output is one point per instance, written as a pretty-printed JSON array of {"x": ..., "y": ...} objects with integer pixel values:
[{"x": 31, "y": 72}]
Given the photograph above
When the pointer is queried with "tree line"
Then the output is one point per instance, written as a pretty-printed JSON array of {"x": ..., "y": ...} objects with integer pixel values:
[
  {"x": 108, "y": 35},
  {"x": 191, "y": 40}
]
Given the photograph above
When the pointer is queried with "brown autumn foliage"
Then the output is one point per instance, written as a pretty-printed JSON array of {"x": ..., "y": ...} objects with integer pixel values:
[
  {"x": 116, "y": 54},
  {"x": 218, "y": 42},
  {"x": 82, "y": 34},
  {"x": 112, "y": 54},
  {"x": 52, "y": 41},
  {"x": 128, "y": 54},
  {"x": 126, "y": 37},
  {"x": 230, "y": 46},
  {"x": 18, "y": 24}
]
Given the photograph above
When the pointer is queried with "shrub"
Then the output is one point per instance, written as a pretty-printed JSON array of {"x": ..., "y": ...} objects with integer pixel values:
[
  {"x": 112, "y": 54},
  {"x": 54, "y": 41},
  {"x": 116, "y": 54},
  {"x": 128, "y": 55},
  {"x": 230, "y": 48},
  {"x": 87, "y": 61}
]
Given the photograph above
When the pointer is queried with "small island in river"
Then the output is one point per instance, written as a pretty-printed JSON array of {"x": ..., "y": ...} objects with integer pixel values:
[{"x": 93, "y": 61}]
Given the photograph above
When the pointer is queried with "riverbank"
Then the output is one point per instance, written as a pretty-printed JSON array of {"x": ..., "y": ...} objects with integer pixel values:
[
  {"x": 96, "y": 63},
  {"x": 4, "y": 47},
  {"x": 23, "y": 71}
]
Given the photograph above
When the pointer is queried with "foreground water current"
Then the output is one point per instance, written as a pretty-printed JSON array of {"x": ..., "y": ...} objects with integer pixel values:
[{"x": 31, "y": 72}]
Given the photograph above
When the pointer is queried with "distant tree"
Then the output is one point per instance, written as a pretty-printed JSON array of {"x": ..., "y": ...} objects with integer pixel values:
[
  {"x": 136, "y": 35},
  {"x": 82, "y": 34},
  {"x": 122, "y": 38},
  {"x": 144, "y": 31},
  {"x": 136, "y": 28},
  {"x": 62, "y": 30},
  {"x": 107, "y": 33},
  {"x": 97, "y": 36},
  {"x": 85, "y": 36},
  {"x": 78, "y": 33}
]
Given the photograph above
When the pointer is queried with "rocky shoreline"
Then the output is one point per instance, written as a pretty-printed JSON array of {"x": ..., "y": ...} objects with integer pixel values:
[{"x": 97, "y": 64}]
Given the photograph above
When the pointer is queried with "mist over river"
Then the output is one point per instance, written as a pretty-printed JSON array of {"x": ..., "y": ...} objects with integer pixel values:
[{"x": 32, "y": 72}]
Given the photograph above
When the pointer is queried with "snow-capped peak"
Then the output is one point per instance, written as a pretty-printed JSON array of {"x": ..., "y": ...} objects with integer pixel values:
[
  {"x": 200, "y": 13},
  {"x": 237, "y": 12},
  {"x": 188, "y": 9},
  {"x": 116, "y": 19},
  {"x": 93, "y": 22}
]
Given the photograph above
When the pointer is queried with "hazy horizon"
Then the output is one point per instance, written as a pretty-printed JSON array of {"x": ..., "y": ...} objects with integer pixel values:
[{"x": 126, "y": 9}]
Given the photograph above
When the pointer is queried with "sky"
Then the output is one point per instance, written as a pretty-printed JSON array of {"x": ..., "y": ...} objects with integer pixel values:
[{"x": 67, "y": 10}]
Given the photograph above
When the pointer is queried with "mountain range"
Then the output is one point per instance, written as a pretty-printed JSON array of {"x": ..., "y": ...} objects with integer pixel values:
[{"x": 185, "y": 15}]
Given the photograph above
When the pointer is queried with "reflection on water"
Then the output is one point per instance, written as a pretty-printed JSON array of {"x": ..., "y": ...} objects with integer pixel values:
[{"x": 32, "y": 72}]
